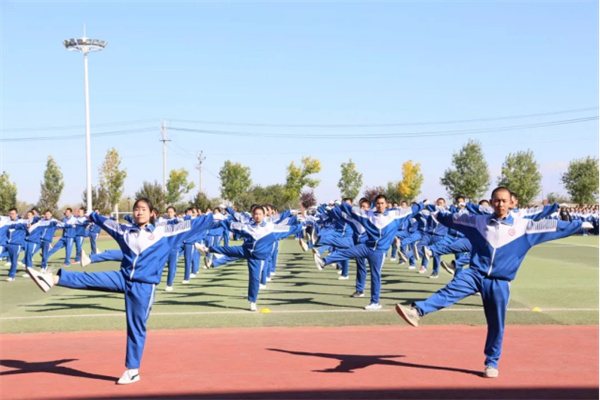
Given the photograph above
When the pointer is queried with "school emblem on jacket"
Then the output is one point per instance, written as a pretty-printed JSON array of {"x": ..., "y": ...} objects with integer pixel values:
[{"x": 512, "y": 232}]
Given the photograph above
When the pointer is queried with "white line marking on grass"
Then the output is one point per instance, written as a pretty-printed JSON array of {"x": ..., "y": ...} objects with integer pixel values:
[{"x": 175, "y": 314}]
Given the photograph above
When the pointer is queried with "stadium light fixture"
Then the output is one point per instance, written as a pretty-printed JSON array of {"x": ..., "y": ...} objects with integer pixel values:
[{"x": 86, "y": 45}]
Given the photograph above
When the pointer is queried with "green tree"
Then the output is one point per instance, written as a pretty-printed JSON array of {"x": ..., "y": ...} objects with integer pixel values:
[
  {"x": 469, "y": 176},
  {"x": 351, "y": 180},
  {"x": 8, "y": 193},
  {"x": 412, "y": 180},
  {"x": 520, "y": 173},
  {"x": 557, "y": 198},
  {"x": 581, "y": 180},
  {"x": 100, "y": 199},
  {"x": 153, "y": 192},
  {"x": 177, "y": 185},
  {"x": 51, "y": 187},
  {"x": 300, "y": 176},
  {"x": 391, "y": 192},
  {"x": 201, "y": 201},
  {"x": 235, "y": 180},
  {"x": 112, "y": 179}
]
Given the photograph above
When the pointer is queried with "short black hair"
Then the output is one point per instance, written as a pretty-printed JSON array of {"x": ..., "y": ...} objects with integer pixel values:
[
  {"x": 381, "y": 196},
  {"x": 499, "y": 189}
]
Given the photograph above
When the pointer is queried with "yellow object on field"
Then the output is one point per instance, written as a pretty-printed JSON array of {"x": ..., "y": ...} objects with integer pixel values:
[
  {"x": 536, "y": 309},
  {"x": 265, "y": 311}
]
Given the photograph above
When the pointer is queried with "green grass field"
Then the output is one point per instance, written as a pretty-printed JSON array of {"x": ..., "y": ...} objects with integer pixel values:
[{"x": 560, "y": 277}]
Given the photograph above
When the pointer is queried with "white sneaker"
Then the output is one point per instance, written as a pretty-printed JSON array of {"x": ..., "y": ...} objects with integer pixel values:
[
  {"x": 8, "y": 264},
  {"x": 201, "y": 247},
  {"x": 393, "y": 260},
  {"x": 43, "y": 280},
  {"x": 422, "y": 270},
  {"x": 261, "y": 286},
  {"x": 416, "y": 251},
  {"x": 20, "y": 264},
  {"x": 433, "y": 276},
  {"x": 412, "y": 267},
  {"x": 269, "y": 279},
  {"x": 9, "y": 279},
  {"x": 252, "y": 306},
  {"x": 169, "y": 289},
  {"x": 402, "y": 256},
  {"x": 85, "y": 259},
  {"x": 490, "y": 372},
  {"x": 192, "y": 275},
  {"x": 343, "y": 278},
  {"x": 339, "y": 271},
  {"x": 447, "y": 267},
  {"x": 303, "y": 244},
  {"x": 318, "y": 260},
  {"x": 410, "y": 314},
  {"x": 129, "y": 376},
  {"x": 427, "y": 253},
  {"x": 373, "y": 307},
  {"x": 25, "y": 275},
  {"x": 185, "y": 282}
]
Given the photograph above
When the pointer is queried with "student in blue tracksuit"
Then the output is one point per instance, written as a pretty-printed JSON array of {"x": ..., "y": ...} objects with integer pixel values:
[
  {"x": 14, "y": 229},
  {"x": 32, "y": 240},
  {"x": 80, "y": 232},
  {"x": 68, "y": 237},
  {"x": 381, "y": 226},
  {"x": 259, "y": 236},
  {"x": 500, "y": 242},
  {"x": 145, "y": 251}
]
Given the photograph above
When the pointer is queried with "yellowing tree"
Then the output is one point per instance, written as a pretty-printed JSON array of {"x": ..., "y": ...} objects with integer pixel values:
[{"x": 412, "y": 179}]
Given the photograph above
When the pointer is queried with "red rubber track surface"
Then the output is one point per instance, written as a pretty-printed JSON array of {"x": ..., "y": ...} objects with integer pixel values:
[{"x": 305, "y": 363}]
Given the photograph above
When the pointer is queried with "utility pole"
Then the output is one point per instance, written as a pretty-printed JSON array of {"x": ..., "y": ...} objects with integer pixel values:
[
  {"x": 199, "y": 167},
  {"x": 164, "y": 140}
]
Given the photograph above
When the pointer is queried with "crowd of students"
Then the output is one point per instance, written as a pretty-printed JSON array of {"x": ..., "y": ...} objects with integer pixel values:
[{"x": 492, "y": 239}]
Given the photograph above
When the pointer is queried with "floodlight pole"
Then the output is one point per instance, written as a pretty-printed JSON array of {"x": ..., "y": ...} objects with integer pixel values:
[
  {"x": 86, "y": 45},
  {"x": 88, "y": 151}
]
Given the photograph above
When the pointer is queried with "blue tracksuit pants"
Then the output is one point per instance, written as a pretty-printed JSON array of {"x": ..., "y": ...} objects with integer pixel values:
[
  {"x": 255, "y": 267},
  {"x": 139, "y": 297},
  {"x": 13, "y": 257},
  {"x": 494, "y": 294},
  {"x": 172, "y": 265},
  {"x": 93, "y": 239},
  {"x": 361, "y": 274},
  {"x": 67, "y": 243},
  {"x": 30, "y": 249},
  {"x": 45, "y": 253},
  {"x": 78, "y": 247},
  {"x": 375, "y": 259},
  {"x": 108, "y": 255}
]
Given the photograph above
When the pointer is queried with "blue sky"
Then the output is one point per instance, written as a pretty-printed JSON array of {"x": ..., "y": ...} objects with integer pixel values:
[{"x": 301, "y": 63}]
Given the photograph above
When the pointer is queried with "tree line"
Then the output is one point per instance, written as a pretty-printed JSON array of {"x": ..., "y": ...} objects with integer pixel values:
[{"x": 467, "y": 176}]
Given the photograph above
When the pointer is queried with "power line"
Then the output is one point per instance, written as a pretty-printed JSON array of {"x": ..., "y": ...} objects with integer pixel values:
[
  {"x": 76, "y": 136},
  {"x": 383, "y": 125},
  {"x": 390, "y": 135},
  {"x": 70, "y": 127}
]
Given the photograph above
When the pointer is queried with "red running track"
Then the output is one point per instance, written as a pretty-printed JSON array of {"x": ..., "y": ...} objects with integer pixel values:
[{"x": 305, "y": 363}]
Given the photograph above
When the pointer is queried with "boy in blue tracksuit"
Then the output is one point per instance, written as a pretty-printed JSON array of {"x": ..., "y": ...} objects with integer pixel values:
[
  {"x": 381, "y": 226},
  {"x": 500, "y": 242},
  {"x": 14, "y": 231},
  {"x": 68, "y": 237},
  {"x": 145, "y": 251}
]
